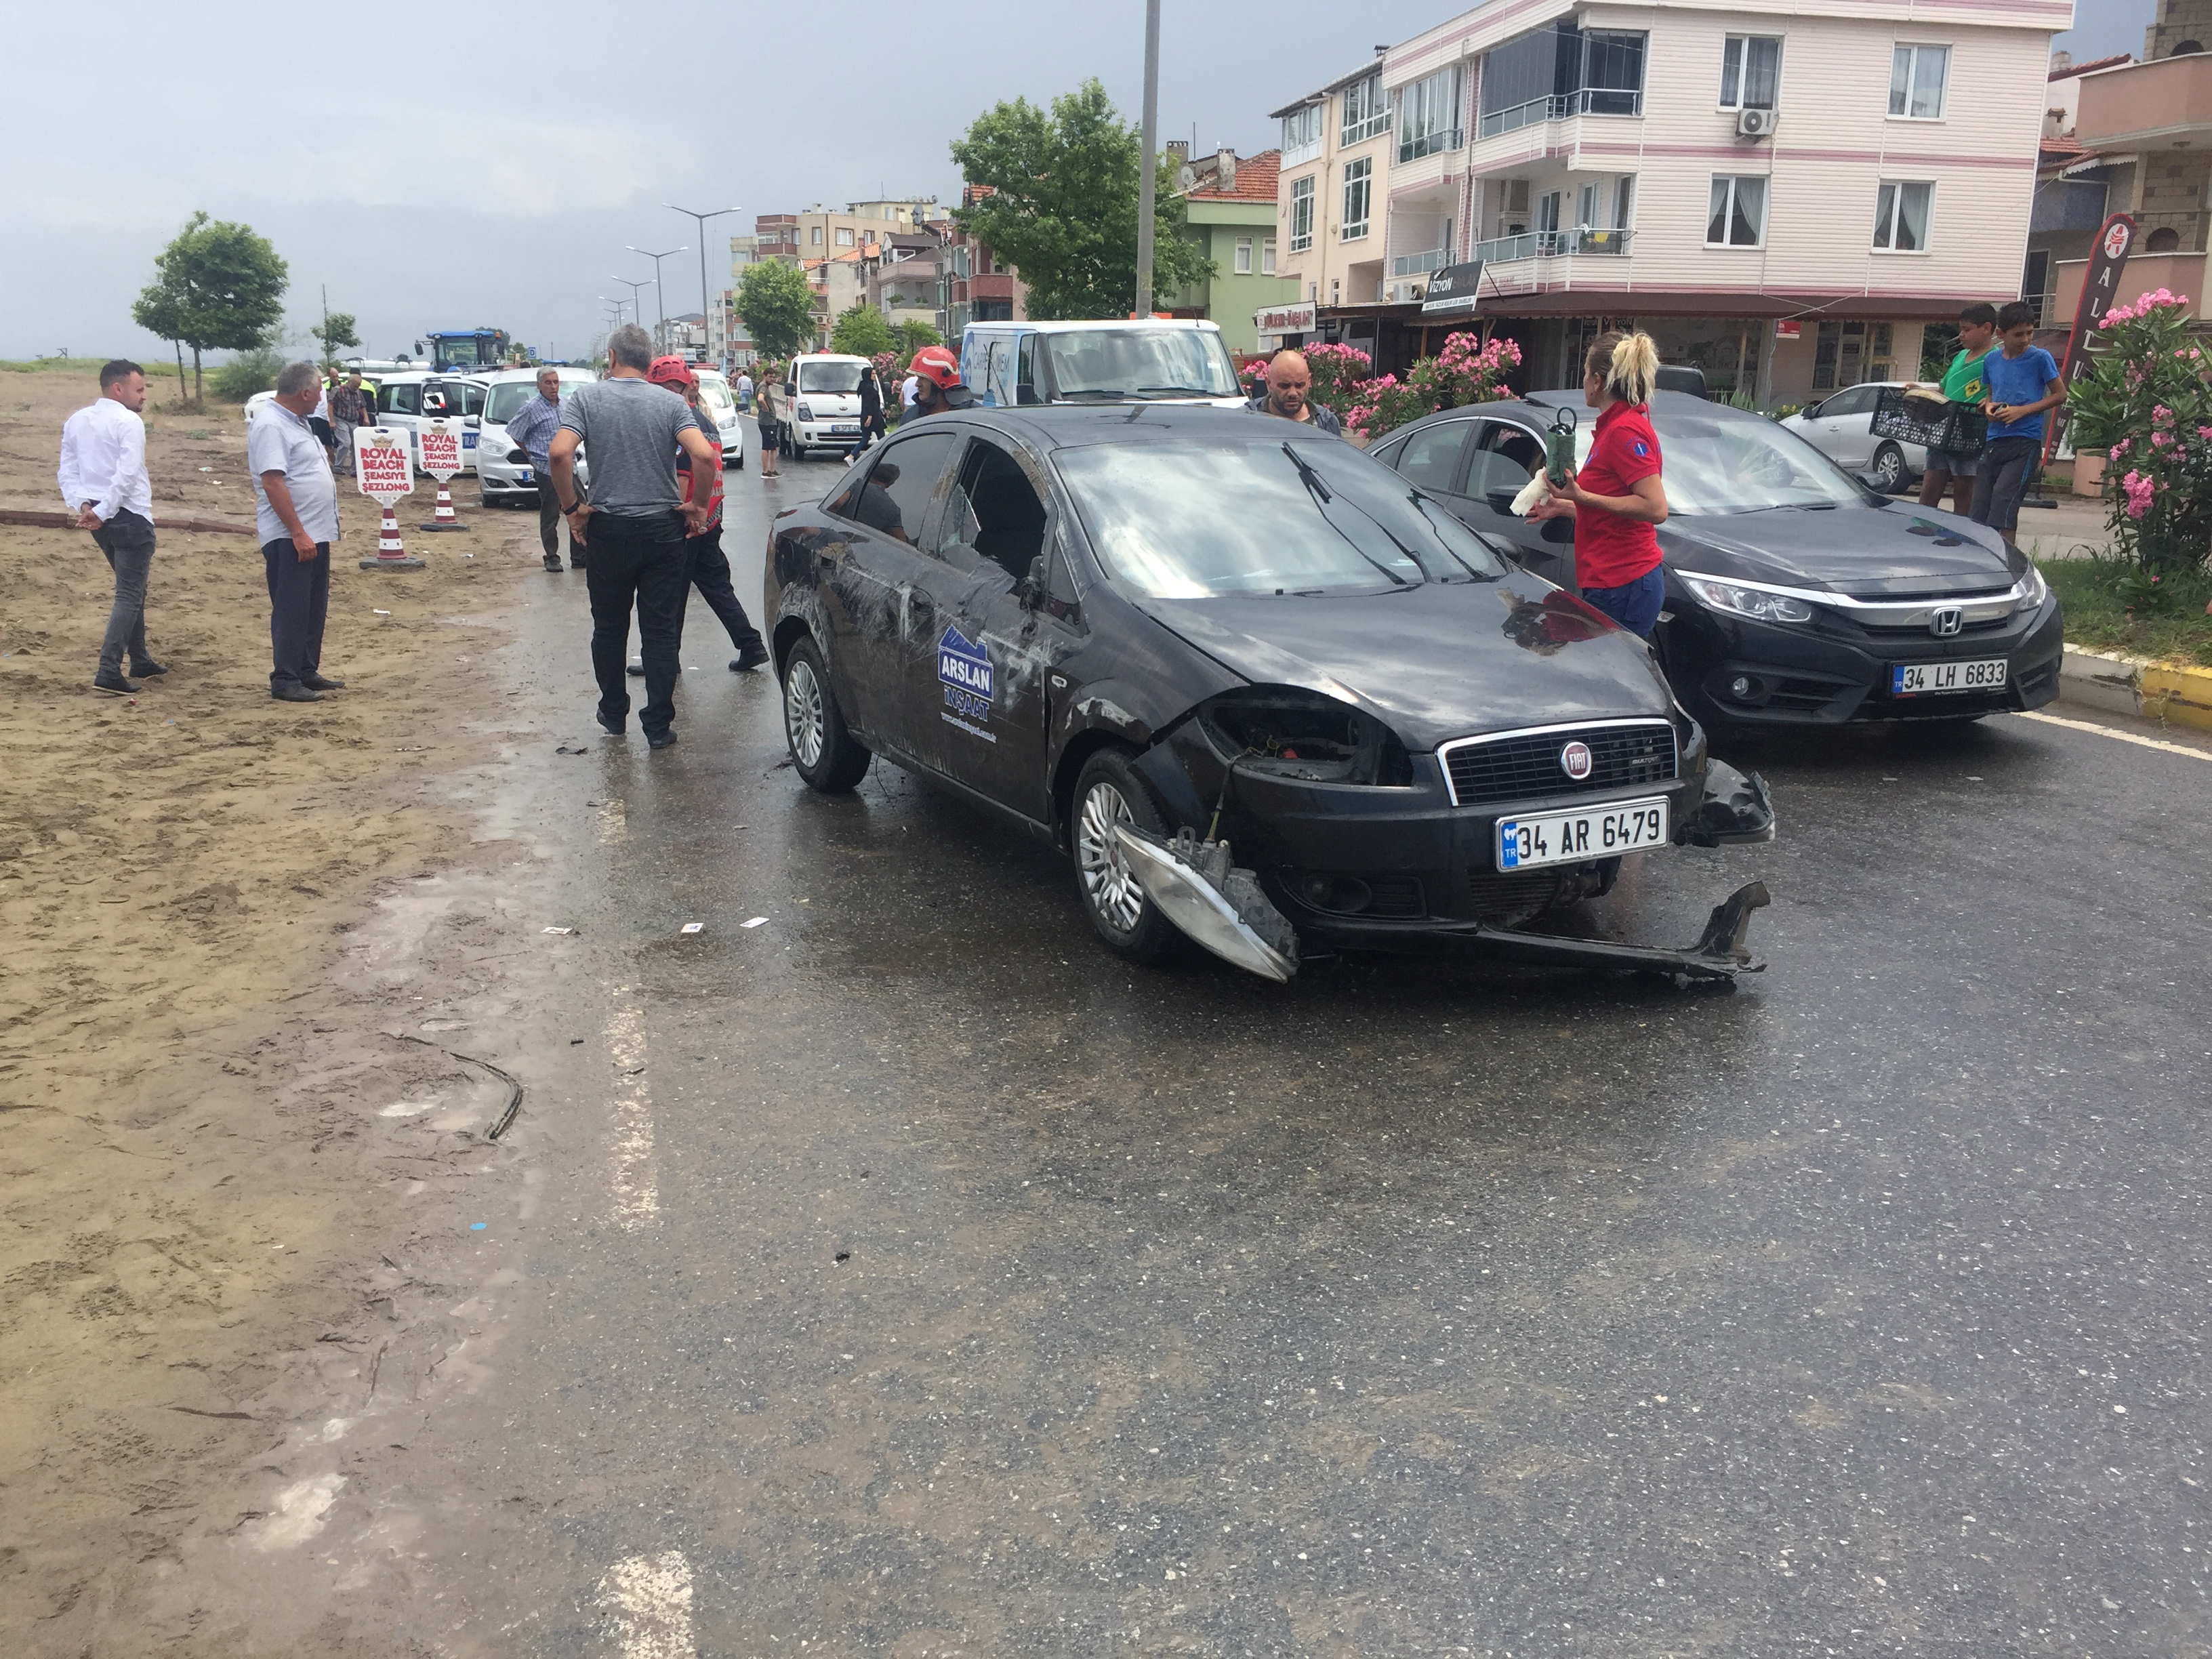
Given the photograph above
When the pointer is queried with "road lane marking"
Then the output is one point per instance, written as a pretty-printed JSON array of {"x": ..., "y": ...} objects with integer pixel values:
[
  {"x": 2125, "y": 736},
  {"x": 649, "y": 1603},
  {"x": 637, "y": 1187}
]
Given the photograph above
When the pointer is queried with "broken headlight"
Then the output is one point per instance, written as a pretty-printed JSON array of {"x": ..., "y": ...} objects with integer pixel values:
[{"x": 1286, "y": 732}]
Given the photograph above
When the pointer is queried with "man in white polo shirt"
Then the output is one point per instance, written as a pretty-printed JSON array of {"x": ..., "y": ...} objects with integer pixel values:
[{"x": 296, "y": 512}]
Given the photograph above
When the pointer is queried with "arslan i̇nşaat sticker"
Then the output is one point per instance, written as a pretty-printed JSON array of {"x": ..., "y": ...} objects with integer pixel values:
[{"x": 965, "y": 668}]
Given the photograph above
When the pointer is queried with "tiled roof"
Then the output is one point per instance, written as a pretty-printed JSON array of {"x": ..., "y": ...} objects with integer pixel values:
[
  {"x": 2113, "y": 62},
  {"x": 1256, "y": 178}
]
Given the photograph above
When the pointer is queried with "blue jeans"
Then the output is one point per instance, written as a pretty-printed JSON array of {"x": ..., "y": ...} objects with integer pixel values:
[{"x": 1634, "y": 605}]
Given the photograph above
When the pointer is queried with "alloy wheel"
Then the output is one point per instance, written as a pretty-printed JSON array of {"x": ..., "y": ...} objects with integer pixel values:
[
  {"x": 1108, "y": 881},
  {"x": 802, "y": 713}
]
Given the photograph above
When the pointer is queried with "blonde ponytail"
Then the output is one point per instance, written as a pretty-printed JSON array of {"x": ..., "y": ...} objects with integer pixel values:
[{"x": 1629, "y": 363}]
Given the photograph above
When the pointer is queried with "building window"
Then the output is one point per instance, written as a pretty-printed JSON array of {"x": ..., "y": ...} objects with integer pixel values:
[
  {"x": 1561, "y": 70},
  {"x": 1737, "y": 217},
  {"x": 1750, "y": 65},
  {"x": 1243, "y": 256},
  {"x": 1902, "y": 209},
  {"x": 844, "y": 236},
  {"x": 1267, "y": 256},
  {"x": 817, "y": 237},
  {"x": 1302, "y": 133},
  {"x": 1366, "y": 111},
  {"x": 1624, "y": 200},
  {"x": 1428, "y": 115},
  {"x": 1916, "y": 82},
  {"x": 1358, "y": 189},
  {"x": 1302, "y": 206}
]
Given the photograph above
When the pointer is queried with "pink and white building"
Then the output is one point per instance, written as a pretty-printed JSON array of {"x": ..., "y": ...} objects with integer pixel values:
[{"x": 1781, "y": 194}]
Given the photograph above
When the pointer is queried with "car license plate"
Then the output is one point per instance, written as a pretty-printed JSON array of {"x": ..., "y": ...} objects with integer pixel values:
[
  {"x": 1913, "y": 679},
  {"x": 1595, "y": 832},
  {"x": 522, "y": 475},
  {"x": 846, "y": 429},
  {"x": 468, "y": 440}
]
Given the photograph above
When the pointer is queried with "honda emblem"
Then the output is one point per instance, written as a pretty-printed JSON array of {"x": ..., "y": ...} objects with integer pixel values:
[
  {"x": 1945, "y": 620},
  {"x": 1575, "y": 760}
]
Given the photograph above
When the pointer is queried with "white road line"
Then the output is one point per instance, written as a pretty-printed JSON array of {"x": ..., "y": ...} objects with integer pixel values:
[
  {"x": 649, "y": 1603},
  {"x": 2125, "y": 736},
  {"x": 637, "y": 1187}
]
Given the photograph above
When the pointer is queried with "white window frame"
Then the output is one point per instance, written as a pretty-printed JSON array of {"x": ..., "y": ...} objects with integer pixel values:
[
  {"x": 1302, "y": 131},
  {"x": 1727, "y": 219},
  {"x": 1432, "y": 107},
  {"x": 844, "y": 236},
  {"x": 1243, "y": 266},
  {"x": 1374, "y": 107},
  {"x": 1910, "y": 51},
  {"x": 1301, "y": 196},
  {"x": 1741, "y": 45},
  {"x": 1885, "y": 225},
  {"x": 1268, "y": 256},
  {"x": 1354, "y": 230}
]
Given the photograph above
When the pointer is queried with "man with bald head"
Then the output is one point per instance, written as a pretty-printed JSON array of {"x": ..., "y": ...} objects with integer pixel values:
[{"x": 1289, "y": 380}]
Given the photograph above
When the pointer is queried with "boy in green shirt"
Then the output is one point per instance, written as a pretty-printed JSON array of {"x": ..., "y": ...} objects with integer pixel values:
[{"x": 1962, "y": 384}]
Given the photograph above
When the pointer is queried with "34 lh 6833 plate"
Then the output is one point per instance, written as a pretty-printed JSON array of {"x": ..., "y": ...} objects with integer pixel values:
[
  {"x": 1595, "y": 832},
  {"x": 1915, "y": 679}
]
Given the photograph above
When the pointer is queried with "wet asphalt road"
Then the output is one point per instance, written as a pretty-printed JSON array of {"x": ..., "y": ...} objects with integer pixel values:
[{"x": 907, "y": 1276}]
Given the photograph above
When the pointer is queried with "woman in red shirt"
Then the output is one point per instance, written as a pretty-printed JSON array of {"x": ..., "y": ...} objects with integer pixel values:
[{"x": 1616, "y": 500}]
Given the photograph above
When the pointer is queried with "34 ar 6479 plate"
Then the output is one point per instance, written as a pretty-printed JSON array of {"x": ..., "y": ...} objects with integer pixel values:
[{"x": 1595, "y": 832}]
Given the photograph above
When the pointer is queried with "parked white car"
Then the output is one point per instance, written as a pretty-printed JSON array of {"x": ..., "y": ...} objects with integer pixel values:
[
  {"x": 720, "y": 402},
  {"x": 504, "y": 475},
  {"x": 823, "y": 390},
  {"x": 1841, "y": 427},
  {"x": 1165, "y": 360},
  {"x": 405, "y": 401}
]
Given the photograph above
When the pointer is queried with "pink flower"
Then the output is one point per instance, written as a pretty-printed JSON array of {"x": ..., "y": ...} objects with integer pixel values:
[{"x": 2138, "y": 489}]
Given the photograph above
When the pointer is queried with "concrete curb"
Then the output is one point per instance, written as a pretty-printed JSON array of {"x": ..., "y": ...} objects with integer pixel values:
[{"x": 2136, "y": 685}]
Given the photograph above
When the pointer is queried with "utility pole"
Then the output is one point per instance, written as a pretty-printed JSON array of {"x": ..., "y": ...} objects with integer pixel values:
[
  {"x": 327, "y": 353},
  {"x": 660, "y": 305},
  {"x": 706, "y": 301},
  {"x": 1145, "y": 180}
]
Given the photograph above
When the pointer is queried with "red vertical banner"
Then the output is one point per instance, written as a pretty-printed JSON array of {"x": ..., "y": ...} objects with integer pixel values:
[{"x": 2100, "y": 287}]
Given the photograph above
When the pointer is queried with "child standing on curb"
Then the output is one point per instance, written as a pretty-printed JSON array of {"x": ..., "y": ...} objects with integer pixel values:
[{"x": 2023, "y": 385}]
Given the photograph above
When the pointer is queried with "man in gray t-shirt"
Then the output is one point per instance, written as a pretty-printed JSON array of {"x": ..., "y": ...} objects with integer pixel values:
[{"x": 635, "y": 523}]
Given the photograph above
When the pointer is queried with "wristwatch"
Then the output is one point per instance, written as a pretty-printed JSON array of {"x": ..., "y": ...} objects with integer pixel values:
[{"x": 571, "y": 512}]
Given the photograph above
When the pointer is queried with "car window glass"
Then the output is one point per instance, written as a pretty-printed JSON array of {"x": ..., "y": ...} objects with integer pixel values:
[
  {"x": 1749, "y": 465},
  {"x": 1505, "y": 457},
  {"x": 1857, "y": 401},
  {"x": 472, "y": 397},
  {"x": 1123, "y": 362},
  {"x": 507, "y": 400},
  {"x": 714, "y": 395},
  {"x": 992, "y": 512},
  {"x": 830, "y": 377},
  {"x": 1431, "y": 456},
  {"x": 893, "y": 496},
  {"x": 402, "y": 399},
  {"x": 1025, "y": 385}
]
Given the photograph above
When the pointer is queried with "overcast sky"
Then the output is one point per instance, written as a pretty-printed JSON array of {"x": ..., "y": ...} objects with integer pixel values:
[{"x": 447, "y": 167}]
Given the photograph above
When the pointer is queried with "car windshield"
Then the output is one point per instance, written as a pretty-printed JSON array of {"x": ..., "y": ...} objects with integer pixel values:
[
  {"x": 1140, "y": 362},
  {"x": 1191, "y": 520},
  {"x": 830, "y": 377},
  {"x": 714, "y": 395},
  {"x": 1719, "y": 466},
  {"x": 508, "y": 396}
]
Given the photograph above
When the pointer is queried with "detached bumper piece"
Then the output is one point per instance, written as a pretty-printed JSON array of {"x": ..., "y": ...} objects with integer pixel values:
[
  {"x": 1735, "y": 810},
  {"x": 1218, "y": 905},
  {"x": 1719, "y": 953}
]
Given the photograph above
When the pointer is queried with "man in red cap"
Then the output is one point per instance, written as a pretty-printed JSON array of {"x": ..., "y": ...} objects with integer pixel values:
[
  {"x": 706, "y": 567},
  {"x": 937, "y": 375}
]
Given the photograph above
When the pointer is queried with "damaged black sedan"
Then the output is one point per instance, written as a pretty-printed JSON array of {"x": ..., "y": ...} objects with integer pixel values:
[{"x": 1267, "y": 695}]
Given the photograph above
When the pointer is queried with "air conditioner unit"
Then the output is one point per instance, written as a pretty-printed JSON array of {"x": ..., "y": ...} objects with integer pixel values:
[
  {"x": 1754, "y": 122},
  {"x": 1406, "y": 292}
]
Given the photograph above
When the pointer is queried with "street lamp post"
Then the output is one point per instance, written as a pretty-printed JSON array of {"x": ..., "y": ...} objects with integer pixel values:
[
  {"x": 659, "y": 303},
  {"x": 1145, "y": 180},
  {"x": 705, "y": 303},
  {"x": 632, "y": 287}
]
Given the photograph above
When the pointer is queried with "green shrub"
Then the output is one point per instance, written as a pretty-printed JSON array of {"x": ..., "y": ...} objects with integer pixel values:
[{"x": 248, "y": 373}]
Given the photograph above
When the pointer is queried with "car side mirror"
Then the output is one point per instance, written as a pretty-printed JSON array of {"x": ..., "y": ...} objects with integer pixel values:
[
  {"x": 1558, "y": 530},
  {"x": 1501, "y": 500},
  {"x": 1033, "y": 588},
  {"x": 1873, "y": 481},
  {"x": 1810, "y": 411}
]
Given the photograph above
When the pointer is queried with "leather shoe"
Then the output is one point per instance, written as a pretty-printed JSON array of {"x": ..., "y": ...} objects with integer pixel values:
[
  {"x": 111, "y": 681},
  {"x": 293, "y": 691},
  {"x": 661, "y": 740},
  {"x": 751, "y": 658},
  {"x": 321, "y": 682},
  {"x": 612, "y": 728},
  {"x": 552, "y": 561},
  {"x": 633, "y": 668},
  {"x": 149, "y": 670}
]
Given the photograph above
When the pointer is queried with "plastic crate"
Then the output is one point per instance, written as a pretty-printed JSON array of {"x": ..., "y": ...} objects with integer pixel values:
[{"x": 1955, "y": 428}]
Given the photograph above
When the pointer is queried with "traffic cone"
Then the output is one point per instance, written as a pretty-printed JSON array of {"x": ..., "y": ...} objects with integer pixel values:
[
  {"x": 391, "y": 554},
  {"x": 443, "y": 518}
]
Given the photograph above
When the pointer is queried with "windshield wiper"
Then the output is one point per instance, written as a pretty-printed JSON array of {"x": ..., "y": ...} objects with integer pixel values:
[
  {"x": 1314, "y": 480},
  {"x": 1185, "y": 390},
  {"x": 1115, "y": 392},
  {"x": 1421, "y": 505},
  {"x": 1318, "y": 488}
]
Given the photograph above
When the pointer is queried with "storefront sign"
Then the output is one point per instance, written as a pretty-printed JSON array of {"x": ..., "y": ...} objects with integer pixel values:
[
  {"x": 1453, "y": 289},
  {"x": 1789, "y": 328},
  {"x": 1296, "y": 318},
  {"x": 2100, "y": 286}
]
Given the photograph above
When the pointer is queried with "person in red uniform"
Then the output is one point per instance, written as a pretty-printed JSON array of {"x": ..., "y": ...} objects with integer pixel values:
[{"x": 1617, "y": 500}]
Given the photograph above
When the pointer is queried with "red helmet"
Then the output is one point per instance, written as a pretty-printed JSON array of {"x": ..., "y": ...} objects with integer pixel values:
[
  {"x": 671, "y": 372},
  {"x": 936, "y": 365}
]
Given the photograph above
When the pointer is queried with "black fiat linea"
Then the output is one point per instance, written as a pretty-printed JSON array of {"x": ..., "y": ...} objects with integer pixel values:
[
  {"x": 1151, "y": 634},
  {"x": 1796, "y": 594}
]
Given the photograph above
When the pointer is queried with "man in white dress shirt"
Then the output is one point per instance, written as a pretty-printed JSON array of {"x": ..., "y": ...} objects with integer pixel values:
[
  {"x": 103, "y": 480},
  {"x": 296, "y": 512}
]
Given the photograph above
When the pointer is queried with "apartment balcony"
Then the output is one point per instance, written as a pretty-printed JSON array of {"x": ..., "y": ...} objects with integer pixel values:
[
  {"x": 2158, "y": 107},
  {"x": 1589, "y": 100},
  {"x": 2170, "y": 232},
  {"x": 1551, "y": 245},
  {"x": 1416, "y": 264}
]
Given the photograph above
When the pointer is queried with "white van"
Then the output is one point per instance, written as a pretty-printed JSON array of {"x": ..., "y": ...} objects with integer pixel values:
[
  {"x": 1168, "y": 360},
  {"x": 503, "y": 472},
  {"x": 823, "y": 390},
  {"x": 405, "y": 401}
]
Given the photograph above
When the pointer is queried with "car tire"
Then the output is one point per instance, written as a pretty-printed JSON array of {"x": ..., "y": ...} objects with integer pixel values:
[
  {"x": 1107, "y": 790},
  {"x": 1889, "y": 466},
  {"x": 826, "y": 754}
]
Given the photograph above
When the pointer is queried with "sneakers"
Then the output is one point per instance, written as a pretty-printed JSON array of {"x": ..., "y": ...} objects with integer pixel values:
[
  {"x": 552, "y": 561},
  {"x": 321, "y": 682},
  {"x": 111, "y": 681},
  {"x": 633, "y": 668},
  {"x": 661, "y": 740},
  {"x": 293, "y": 691},
  {"x": 149, "y": 670},
  {"x": 749, "y": 658}
]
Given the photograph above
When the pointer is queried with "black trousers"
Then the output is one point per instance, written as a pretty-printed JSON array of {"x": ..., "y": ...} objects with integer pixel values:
[
  {"x": 127, "y": 539},
  {"x": 2000, "y": 479},
  {"x": 707, "y": 569},
  {"x": 640, "y": 562},
  {"x": 549, "y": 520},
  {"x": 299, "y": 600}
]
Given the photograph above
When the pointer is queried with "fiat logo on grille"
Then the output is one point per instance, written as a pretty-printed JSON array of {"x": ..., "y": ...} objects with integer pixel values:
[{"x": 1575, "y": 760}]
